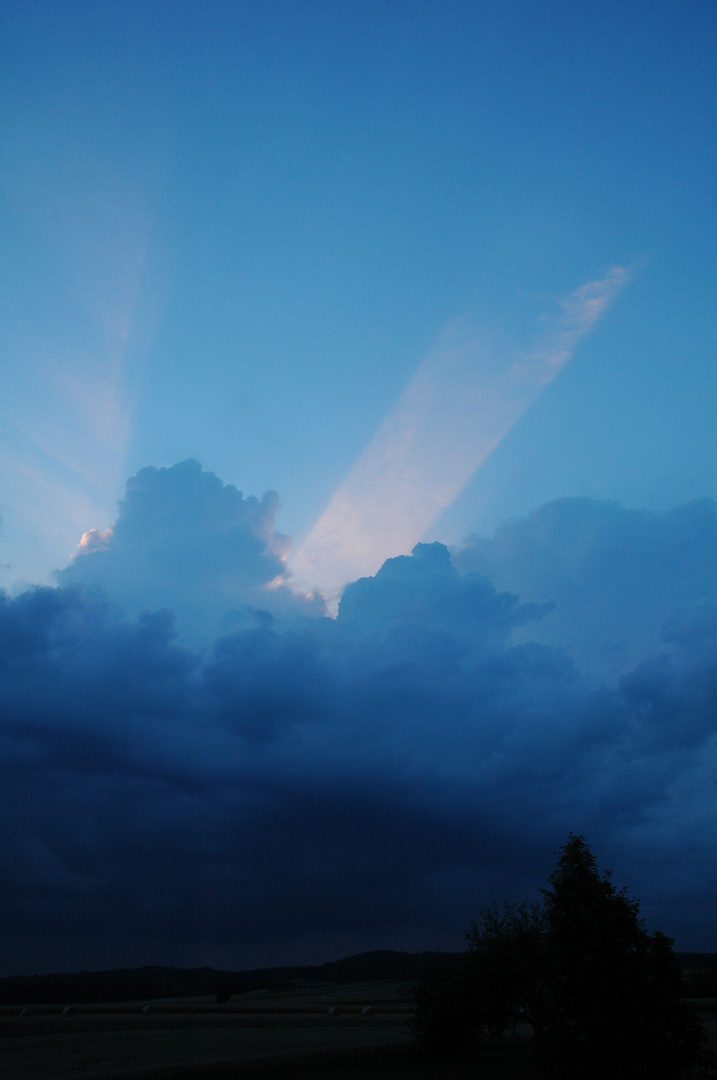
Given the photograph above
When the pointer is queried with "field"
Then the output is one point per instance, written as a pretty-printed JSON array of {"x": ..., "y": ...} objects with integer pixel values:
[{"x": 260, "y": 1034}]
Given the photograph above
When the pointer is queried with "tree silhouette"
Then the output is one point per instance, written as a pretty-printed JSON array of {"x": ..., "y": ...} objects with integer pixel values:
[
  {"x": 613, "y": 992},
  {"x": 602, "y": 995}
]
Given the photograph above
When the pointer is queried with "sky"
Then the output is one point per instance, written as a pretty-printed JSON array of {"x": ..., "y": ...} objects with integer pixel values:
[{"x": 357, "y": 471}]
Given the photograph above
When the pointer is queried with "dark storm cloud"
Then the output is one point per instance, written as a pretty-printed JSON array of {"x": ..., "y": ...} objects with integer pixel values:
[{"x": 370, "y": 780}]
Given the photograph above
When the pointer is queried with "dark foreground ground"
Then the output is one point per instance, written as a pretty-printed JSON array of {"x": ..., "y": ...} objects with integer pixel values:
[{"x": 255, "y": 1035}]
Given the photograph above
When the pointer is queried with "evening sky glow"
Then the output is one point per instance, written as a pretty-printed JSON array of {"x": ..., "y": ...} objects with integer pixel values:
[{"x": 410, "y": 305}]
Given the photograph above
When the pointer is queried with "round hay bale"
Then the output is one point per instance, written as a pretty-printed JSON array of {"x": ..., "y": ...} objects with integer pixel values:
[
  {"x": 368, "y": 1010},
  {"x": 148, "y": 1009},
  {"x": 26, "y": 1012},
  {"x": 69, "y": 1010},
  {"x": 333, "y": 1010}
]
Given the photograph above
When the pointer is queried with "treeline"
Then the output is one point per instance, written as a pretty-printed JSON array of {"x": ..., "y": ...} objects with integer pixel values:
[{"x": 151, "y": 983}]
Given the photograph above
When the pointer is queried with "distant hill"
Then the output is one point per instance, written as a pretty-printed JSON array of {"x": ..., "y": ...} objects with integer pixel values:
[
  {"x": 151, "y": 983},
  {"x": 147, "y": 983}
]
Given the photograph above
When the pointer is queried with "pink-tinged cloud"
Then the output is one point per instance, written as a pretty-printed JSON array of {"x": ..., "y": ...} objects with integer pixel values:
[{"x": 461, "y": 403}]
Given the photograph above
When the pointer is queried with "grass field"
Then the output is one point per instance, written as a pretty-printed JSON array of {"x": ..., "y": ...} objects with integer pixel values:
[{"x": 258, "y": 1035}]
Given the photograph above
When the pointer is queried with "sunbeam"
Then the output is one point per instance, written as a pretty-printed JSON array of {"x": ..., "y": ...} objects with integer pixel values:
[{"x": 463, "y": 400}]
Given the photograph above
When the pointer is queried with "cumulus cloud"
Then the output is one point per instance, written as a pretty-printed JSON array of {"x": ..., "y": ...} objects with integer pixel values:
[
  {"x": 186, "y": 541},
  {"x": 308, "y": 787}
]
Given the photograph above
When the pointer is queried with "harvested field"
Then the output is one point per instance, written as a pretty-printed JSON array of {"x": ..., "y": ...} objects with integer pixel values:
[
  {"x": 257, "y": 1036},
  {"x": 200, "y": 1038}
]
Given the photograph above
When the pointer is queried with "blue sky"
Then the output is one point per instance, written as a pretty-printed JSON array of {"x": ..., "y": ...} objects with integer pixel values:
[
  {"x": 235, "y": 232},
  {"x": 430, "y": 272}
]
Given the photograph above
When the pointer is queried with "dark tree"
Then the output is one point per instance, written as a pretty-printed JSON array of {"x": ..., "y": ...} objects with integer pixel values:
[
  {"x": 603, "y": 996},
  {"x": 489, "y": 988},
  {"x": 505, "y": 963},
  {"x": 444, "y": 996},
  {"x": 613, "y": 992}
]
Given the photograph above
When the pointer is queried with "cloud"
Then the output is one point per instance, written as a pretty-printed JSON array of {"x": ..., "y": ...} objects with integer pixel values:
[
  {"x": 186, "y": 541},
  {"x": 463, "y": 400},
  {"x": 613, "y": 575},
  {"x": 310, "y": 786}
]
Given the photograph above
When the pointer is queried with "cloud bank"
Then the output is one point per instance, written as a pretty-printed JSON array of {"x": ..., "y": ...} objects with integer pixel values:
[
  {"x": 615, "y": 577},
  {"x": 307, "y": 787}
]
